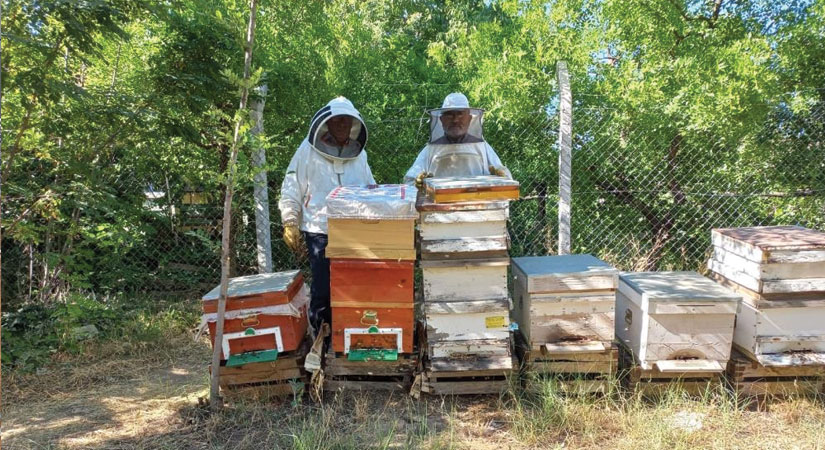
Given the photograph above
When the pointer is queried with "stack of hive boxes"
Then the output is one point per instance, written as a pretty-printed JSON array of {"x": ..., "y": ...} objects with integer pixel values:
[
  {"x": 464, "y": 258},
  {"x": 564, "y": 307},
  {"x": 780, "y": 273},
  {"x": 264, "y": 330},
  {"x": 372, "y": 259},
  {"x": 675, "y": 322}
]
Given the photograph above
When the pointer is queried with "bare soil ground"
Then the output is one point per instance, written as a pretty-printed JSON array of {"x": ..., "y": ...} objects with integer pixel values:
[{"x": 147, "y": 397}]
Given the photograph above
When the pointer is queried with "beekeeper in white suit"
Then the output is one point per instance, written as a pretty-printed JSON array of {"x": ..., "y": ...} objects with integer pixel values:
[
  {"x": 457, "y": 147},
  {"x": 332, "y": 155}
]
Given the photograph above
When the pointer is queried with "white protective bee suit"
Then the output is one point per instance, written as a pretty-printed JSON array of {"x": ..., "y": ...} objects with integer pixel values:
[
  {"x": 468, "y": 156},
  {"x": 317, "y": 168}
]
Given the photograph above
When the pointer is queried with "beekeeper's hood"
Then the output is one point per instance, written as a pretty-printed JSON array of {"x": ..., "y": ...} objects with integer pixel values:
[
  {"x": 321, "y": 138},
  {"x": 456, "y": 122}
]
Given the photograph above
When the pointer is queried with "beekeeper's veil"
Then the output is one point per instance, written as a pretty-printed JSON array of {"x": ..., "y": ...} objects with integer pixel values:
[
  {"x": 319, "y": 135},
  {"x": 457, "y": 146}
]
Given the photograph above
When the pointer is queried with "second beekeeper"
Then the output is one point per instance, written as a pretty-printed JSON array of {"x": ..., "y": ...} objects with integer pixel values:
[
  {"x": 457, "y": 147},
  {"x": 333, "y": 154}
]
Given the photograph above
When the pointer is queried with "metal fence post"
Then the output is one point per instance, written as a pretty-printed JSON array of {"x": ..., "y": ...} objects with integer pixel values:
[
  {"x": 260, "y": 183},
  {"x": 565, "y": 155}
]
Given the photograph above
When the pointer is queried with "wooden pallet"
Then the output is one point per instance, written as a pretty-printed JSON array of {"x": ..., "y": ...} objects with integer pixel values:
[
  {"x": 341, "y": 374},
  {"x": 751, "y": 380},
  {"x": 481, "y": 375},
  {"x": 654, "y": 383},
  {"x": 266, "y": 380},
  {"x": 574, "y": 373}
]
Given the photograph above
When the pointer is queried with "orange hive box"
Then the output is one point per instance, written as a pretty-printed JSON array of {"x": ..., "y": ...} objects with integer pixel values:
[
  {"x": 393, "y": 327},
  {"x": 258, "y": 320}
]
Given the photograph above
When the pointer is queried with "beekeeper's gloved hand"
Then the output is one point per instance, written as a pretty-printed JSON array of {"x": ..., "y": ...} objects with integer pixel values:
[
  {"x": 292, "y": 238},
  {"x": 419, "y": 180},
  {"x": 498, "y": 171}
]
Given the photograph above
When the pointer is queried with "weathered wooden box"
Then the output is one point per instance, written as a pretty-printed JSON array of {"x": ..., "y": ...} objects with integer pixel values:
[
  {"x": 771, "y": 262},
  {"x": 372, "y": 327},
  {"x": 467, "y": 189},
  {"x": 465, "y": 280},
  {"x": 468, "y": 327},
  {"x": 372, "y": 222},
  {"x": 566, "y": 301},
  {"x": 675, "y": 321},
  {"x": 462, "y": 230},
  {"x": 767, "y": 329},
  {"x": 258, "y": 319}
]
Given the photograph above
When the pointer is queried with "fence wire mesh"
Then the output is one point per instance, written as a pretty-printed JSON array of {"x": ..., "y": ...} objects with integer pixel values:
[{"x": 646, "y": 193}]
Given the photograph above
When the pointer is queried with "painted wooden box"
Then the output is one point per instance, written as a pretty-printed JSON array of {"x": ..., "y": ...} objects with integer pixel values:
[
  {"x": 372, "y": 222},
  {"x": 255, "y": 291},
  {"x": 771, "y": 262},
  {"x": 362, "y": 282},
  {"x": 466, "y": 189},
  {"x": 280, "y": 327},
  {"x": 465, "y": 280},
  {"x": 372, "y": 327},
  {"x": 675, "y": 321},
  {"x": 480, "y": 328},
  {"x": 769, "y": 331},
  {"x": 565, "y": 301}
]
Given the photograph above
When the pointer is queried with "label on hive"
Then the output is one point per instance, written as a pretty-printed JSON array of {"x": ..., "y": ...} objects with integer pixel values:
[
  {"x": 495, "y": 322},
  {"x": 463, "y": 189}
]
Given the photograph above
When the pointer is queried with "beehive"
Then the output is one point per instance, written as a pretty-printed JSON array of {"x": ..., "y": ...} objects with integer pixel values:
[
  {"x": 780, "y": 273},
  {"x": 372, "y": 259},
  {"x": 675, "y": 321},
  {"x": 266, "y": 314},
  {"x": 565, "y": 302}
]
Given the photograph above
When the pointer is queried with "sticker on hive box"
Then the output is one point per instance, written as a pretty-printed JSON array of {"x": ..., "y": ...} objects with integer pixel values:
[
  {"x": 464, "y": 189},
  {"x": 495, "y": 322},
  {"x": 253, "y": 291},
  {"x": 381, "y": 201}
]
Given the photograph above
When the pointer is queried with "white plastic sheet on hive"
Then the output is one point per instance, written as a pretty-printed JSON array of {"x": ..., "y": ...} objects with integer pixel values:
[{"x": 381, "y": 201}]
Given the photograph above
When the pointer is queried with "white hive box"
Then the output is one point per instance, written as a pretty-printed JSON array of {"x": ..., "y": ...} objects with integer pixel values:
[
  {"x": 675, "y": 321},
  {"x": 780, "y": 273},
  {"x": 462, "y": 230},
  {"x": 565, "y": 302},
  {"x": 465, "y": 279},
  {"x": 479, "y": 328},
  {"x": 771, "y": 262}
]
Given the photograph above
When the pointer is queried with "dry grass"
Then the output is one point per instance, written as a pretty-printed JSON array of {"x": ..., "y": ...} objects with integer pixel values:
[{"x": 128, "y": 397}]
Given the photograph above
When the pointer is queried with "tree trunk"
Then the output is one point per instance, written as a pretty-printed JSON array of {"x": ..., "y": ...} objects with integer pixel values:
[{"x": 214, "y": 400}]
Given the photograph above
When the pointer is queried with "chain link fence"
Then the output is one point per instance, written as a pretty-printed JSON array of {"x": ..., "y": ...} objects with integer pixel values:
[{"x": 646, "y": 192}]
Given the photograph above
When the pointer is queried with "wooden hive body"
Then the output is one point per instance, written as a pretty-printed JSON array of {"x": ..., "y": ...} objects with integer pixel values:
[
  {"x": 564, "y": 299},
  {"x": 771, "y": 261},
  {"x": 373, "y": 222},
  {"x": 465, "y": 280},
  {"x": 673, "y": 321},
  {"x": 257, "y": 318}
]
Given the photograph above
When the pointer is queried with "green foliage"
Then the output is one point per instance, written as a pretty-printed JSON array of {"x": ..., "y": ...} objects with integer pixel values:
[{"x": 34, "y": 332}]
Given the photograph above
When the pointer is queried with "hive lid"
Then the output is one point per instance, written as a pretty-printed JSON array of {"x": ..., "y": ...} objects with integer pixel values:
[
  {"x": 463, "y": 189},
  {"x": 776, "y": 237},
  {"x": 676, "y": 287},
  {"x": 256, "y": 284},
  {"x": 380, "y": 201},
  {"x": 563, "y": 265}
]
